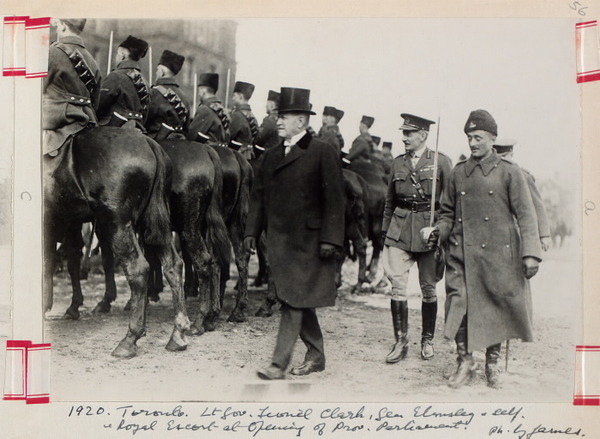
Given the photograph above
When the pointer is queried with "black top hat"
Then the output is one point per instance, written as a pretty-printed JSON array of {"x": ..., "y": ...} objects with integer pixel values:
[
  {"x": 415, "y": 123},
  {"x": 273, "y": 96},
  {"x": 295, "y": 100},
  {"x": 76, "y": 23},
  {"x": 329, "y": 111},
  {"x": 376, "y": 140},
  {"x": 387, "y": 145},
  {"x": 245, "y": 88},
  {"x": 339, "y": 114},
  {"x": 136, "y": 46},
  {"x": 504, "y": 145},
  {"x": 171, "y": 60},
  {"x": 368, "y": 121},
  {"x": 209, "y": 80},
  {"x": 481, "y": 120}
]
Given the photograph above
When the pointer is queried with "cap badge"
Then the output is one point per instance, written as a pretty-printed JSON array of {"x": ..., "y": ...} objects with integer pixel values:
[{"x": 472, "y": 125}]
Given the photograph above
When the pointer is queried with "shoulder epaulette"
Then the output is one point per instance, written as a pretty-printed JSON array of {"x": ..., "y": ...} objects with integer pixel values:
[{"x": 506, "y": 159}]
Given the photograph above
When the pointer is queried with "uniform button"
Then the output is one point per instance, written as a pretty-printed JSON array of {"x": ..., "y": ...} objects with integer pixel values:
[
  {"x": 81, "y": 100},
  {"x": 507, "y": 246},
  {"x": 460, "y": 220},
  {"x": 72, "y": 98},
  {"x": 482, "y": 245},
  {"x": 496, "y": 165},
  {"x": 414, "y": 196},
  {"x": 486, "y": 219},
  {"x": 456, "y": 243},
  {"x": 130, "y": 114},
  {"x": 491, "y": 192},
  {"x": 463, "y": 193}
]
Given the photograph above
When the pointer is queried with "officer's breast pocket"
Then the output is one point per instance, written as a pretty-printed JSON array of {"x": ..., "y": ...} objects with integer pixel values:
[
  {"x": 397, "y": 224},
  {"x": 426, "y": 181},
  {"x": 400, "y": 181}
]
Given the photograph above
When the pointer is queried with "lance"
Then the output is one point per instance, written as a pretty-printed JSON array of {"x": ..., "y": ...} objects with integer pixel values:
[
  {"x": 110, "y": 44},
  {"x": 227, "y": 87},
  {"x": 193, "y": 112},
  {"x": 150, "y": 64},
  {"x": 434, "y": 181}
]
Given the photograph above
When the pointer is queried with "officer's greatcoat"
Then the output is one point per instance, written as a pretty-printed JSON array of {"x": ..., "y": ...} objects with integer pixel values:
[
  {"x": 169, "y": 105},
  {"x": 488, "y": 211}
]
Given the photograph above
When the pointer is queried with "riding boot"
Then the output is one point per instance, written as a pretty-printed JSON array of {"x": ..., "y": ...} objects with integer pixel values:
[
  {"x": 466, "y": 364},
  {"x": 492, "y": 371},
  {"x": 428, "y": 315},
  {"x": 400, "y": 321}
]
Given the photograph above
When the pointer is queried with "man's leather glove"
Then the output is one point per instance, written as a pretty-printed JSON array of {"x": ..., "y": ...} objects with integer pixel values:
[
  {"x": 250, "y": 244},
  {"x": 530, "y": 266},
  {"x": 430, "y": 236},
  {"x": 326, "y": 250}
]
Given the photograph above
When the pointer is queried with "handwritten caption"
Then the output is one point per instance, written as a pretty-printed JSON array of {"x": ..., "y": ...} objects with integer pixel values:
[{"x": 258, "y": 421}]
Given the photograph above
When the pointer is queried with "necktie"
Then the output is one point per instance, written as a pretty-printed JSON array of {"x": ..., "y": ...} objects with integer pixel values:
[{"x": 288, "y": 147}]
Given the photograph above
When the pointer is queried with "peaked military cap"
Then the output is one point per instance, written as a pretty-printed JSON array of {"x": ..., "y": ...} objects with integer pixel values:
[
  {"x": 481, "y": 120},
  {"x": 502, "y": 145},
  {"x": 339, "y": 114},
  {"x": 329, "y": 111},
  {"x": 77, "y": 23},
  {"x": 209, "y": 80},
  {"x": 376, "y": 140},
  {"x": 136, "y": 46},
  {"x": 387, "y": 145},
  {"x": 245, "y": 88},
  {"x": 273, "y": 96},
  {"x": 172, "y": 60},
  {"x": 415, "y": 123},
  {"x": 368, "y": 121},
  {"x": 295, "y": 100}
]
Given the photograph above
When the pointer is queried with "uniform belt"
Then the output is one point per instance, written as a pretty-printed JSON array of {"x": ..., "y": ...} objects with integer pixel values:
[{"x": 417, "y": 206}]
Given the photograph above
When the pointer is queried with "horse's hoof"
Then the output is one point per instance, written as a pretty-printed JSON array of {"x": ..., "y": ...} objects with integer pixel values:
[
  {"x": 209, "y": 325},
  {"x": 154, "y": 298},
  {"x": 264, "y": 312},
  {"x": 237, "y": 316},
  {"x": 101, "y": 308},
  {"x": 127, "y": 306},
  {"x": 194, "y": 331},
  {"x": 126, "y": 349},
  {"x": 71, "y": 314},
  {"x": 173, "y": 346}
]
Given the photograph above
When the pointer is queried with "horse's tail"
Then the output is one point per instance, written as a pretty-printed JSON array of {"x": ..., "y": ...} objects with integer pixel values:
[
  {"x": 156, "y": 218},
  {"x": 242, "y": 205},
  {"x": 216, "y": 232}
]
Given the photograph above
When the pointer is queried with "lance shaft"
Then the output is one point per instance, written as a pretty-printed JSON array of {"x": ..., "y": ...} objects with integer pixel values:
[{"x": 434, "y": 181}]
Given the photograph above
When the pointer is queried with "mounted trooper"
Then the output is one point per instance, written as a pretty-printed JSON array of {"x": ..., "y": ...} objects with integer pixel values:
[
  {"x": 244, "y": 126},
  {"x": 211, "y": 121},
  {"x": 268, "y": 134},
  {"x": 362, "y": 147}
]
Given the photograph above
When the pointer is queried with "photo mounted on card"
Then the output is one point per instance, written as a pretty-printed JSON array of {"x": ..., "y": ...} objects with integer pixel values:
[{"x": 357, "y": 210}]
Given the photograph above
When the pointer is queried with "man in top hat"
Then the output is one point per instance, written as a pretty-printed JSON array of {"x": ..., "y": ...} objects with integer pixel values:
[
  {"x": 168, "y": 103},
  {"x": 211, "y": 121},
  {"x": 244, "y": 126},
  {"x": 504, "y": 148},
  {"x": 329, "y": 131},
  {"x": 71, "y": 89},
  {"x": 298, "y": 197},
  {"x": 407, "y": 211},
  {"x": 488, "y": 220},
  {"x": 125, "y": 94},
  {"x": 388, "y": 158},
  {"x": 268, "y": 134},
  {"x": 362, "y": 147}
]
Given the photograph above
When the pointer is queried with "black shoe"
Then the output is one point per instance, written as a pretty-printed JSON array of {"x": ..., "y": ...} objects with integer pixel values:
[
  {"x": 492, "y": 372},
  {"x": 271, "y": 372},
  {"x": 463, "y": 373},
  {"x": 308, "y": 367}
]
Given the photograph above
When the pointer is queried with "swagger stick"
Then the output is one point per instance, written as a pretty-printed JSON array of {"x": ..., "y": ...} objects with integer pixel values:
[
  {"x": 434, "y": 182},
  {"x": 110, "y": 44},
  {"x": 506, "y": 360}
]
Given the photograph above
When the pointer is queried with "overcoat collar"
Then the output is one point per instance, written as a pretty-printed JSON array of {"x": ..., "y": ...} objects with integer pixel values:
[
  {"x": 486, "y": 165},
  {"x": 298, "y": 151},
  {"x": 128, "y": 64},
  {"x": 72, "y": 39},
  {"x": 167, "y": 81}
]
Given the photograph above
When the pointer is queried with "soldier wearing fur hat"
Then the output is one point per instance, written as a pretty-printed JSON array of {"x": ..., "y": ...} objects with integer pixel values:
[
  {"x": 211, "y": 121},
  {"x": 268, "y": 135},
  {"x": 244, "y": 126},
  {"x": 168, "y": 103},
  {"x": 329, "y": 131},
  {"x": 362, "y": 147},
  {"x": 489, "y": 222},
  {"x": 125, "y": 94},
  {"x": 72, "y": 88},
  {"x": 407, "y": 211}
]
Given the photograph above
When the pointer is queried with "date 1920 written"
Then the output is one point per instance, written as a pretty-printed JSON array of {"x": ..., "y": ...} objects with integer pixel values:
[{"x": 81, "y": 410}]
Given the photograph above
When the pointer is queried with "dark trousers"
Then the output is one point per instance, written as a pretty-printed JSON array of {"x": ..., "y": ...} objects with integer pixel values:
[{"x": 296, "y": 322}]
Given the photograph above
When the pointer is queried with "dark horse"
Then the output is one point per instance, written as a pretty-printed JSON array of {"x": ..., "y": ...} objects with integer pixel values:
[{"x": 119, "y": 178}]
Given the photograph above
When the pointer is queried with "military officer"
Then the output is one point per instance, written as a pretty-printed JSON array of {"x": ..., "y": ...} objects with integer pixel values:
[
  {"x": 125, "y": 94},
  {"x": 244, "y": 126},
  {"x": 504, "y": 148},
  {"x": 407, "y": 211},
  {"x": 362, "y": 146},
  {"x": 72, "y": 88},
  {"x": 298, "y": 196},
  {"x": 168, "y": 103},
  {"x": 488, "y": 219},
  {"x": 268, "y": 135},
  {"x": 211, "y": 121},
  {"x": 329, "y": 131}
]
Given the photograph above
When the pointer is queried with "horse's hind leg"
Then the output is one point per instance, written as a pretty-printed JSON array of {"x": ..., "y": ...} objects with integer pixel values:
[
  {"x": 129, "y": 254},
  {"x": 108, "y": 264},
  {"x": 73, "y": 243},
  {"x": 241, "y": 261},
  {"x": 207, "y": 278}
]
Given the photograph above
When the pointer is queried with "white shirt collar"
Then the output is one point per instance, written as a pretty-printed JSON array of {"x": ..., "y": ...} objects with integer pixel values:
[
  {"x": 295, "y": 139},
  {"x": 419, "y": 153}
]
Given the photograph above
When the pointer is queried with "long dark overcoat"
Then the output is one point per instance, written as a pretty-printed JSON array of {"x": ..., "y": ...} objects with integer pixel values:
[
  {"x": 487, "y": 208},
  {"x": 299, "y": 198}
]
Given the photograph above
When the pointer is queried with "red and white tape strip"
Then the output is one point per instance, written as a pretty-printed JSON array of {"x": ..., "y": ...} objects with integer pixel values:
[
  {"x": 588, "y": 54},
  {"x": 13, "y": 62},
  {"x": 587, "y": 376},
  {"x": 37, "y": 32},
  {"x": 27, "y": 372}
]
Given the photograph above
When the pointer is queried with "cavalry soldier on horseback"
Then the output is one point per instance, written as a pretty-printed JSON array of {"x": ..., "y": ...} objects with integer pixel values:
[
  {"x": 330, "y": 132},
  {"x": 71, "y": 89},
  {"x": 168, "y": 103},
  {"x": 268, "y": 135},
  {"x": 407, "y": 211},
  {"x": 125, "y": 93},
  {"x": 211, "y": 121},
  {"x": 362, "y": 146},
  {"x": 244, "y": 126}
]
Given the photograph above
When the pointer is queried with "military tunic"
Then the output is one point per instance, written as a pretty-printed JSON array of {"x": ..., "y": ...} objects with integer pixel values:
[
  {"x": 244, "y": 129},
  {"x": 361, "y": 148},
  {"x": 268, "y": 135},
  {"x": 331, "y": 134},
  {"x": 126, "y": 92},
  {"x": 211, "y": 120},
  {"x": 68, "y": 105},
  {"x": 486, "y": 247},
  {"x": 169, "y": 105}
]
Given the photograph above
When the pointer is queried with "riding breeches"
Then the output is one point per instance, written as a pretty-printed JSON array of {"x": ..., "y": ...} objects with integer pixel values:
[{"x": 397, "y": 264}]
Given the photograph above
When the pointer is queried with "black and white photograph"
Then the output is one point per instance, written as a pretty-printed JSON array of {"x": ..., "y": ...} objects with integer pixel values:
[{"x": 305, "y": 209}]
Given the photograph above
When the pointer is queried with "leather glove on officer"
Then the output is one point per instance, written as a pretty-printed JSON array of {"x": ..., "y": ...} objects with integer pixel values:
[
  {"x": 430, "y": 236},
  {"x": 530, "y": 266},
  {"x": 325, "y": 250}
]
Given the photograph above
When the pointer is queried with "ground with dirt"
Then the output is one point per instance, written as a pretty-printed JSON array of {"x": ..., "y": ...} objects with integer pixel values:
[{"x": 221, "y": 365}]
